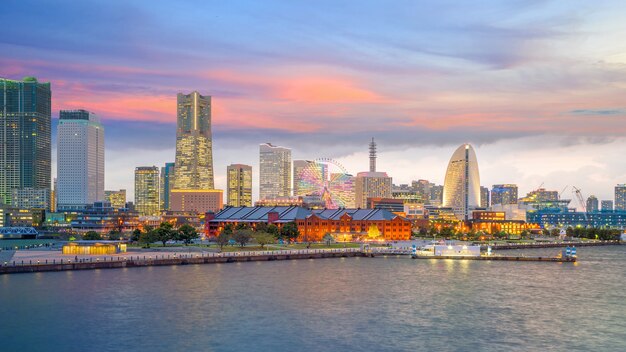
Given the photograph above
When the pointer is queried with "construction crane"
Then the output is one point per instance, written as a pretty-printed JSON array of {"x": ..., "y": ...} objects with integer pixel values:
[
  {"x": 581, "y": 201},
  {"x": 561, "y": 193}
]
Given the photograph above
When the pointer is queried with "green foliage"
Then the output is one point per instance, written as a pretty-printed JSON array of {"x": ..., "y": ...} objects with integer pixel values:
[
  {"x": 148, "y": 237},
  {"x": 261, "y": 227},
  {"x": 242, "y": 236},
  {"x": 115, "y": 235},
  {"x": 273, "y": 229},
  {"x": 187, "y": 234},
  {"x": 263, "y": 238},
  {"x": 224, "y": 236},
  {"x": 290, "y": 231},
  {"x": 227, "y": 230},
  {"x": 92, "y": 236},
  {"x": 242, "y": 226},
  {"x": 135, "y": 235},
  {"x": 328, "y": 238},
  {"x": 165, "y": 232}
]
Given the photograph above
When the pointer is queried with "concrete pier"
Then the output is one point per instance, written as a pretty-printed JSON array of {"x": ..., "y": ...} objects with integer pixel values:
[{"x": 503, "y": 258}]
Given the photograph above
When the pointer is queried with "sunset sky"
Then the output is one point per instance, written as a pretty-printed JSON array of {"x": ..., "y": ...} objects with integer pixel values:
[{"x": 538, "y": 87}]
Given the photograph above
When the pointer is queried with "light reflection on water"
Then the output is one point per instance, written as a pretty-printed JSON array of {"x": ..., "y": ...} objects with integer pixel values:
[{"x": 375, "y": 304}]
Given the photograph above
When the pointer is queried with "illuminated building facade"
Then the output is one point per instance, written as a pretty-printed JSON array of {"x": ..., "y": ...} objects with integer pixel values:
[
  {"x": 491, "y": 222},
  {"x": 607, "y": 205},
  {"x": 540, "y": 195},
  {"x": 314, "y": 224},
  {"x": 80, "y": 160},
  {"x": 484, "y": 197},
  {"x": 239, "y": 190},
  {"x": 147, "y": 199},
  {"x": 117, "y": 199},
  {"x": 274, "y": 171},
  {"x": 550, "y": 218},
  {"x": 167, "y": 183},
  {"x": 196, "y": 200},
  {"x": 31, "y": 198},
  {"x": 25, "y": 134},
  {"x": 371, "y": 185},
  {"x": 461, "y": 189},
  {"x": 101, "y": 217},
  {"x": 620, "y": 197},
  {"x": 194, "y": 143},
  {"x": 504, "y": 194}
]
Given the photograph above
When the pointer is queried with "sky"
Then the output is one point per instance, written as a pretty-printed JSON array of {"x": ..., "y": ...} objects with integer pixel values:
[{"x": 537, "y": 87}]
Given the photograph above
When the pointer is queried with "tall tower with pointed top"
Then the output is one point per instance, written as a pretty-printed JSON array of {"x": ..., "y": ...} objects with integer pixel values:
[
  {"x": 372, "y": 156},
  {"x": 194, "y": 144},
  {"x": 461, "y": 188}
]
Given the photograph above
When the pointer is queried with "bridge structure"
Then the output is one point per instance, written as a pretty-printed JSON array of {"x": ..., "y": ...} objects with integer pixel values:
[{"x": 18, "y": 232}]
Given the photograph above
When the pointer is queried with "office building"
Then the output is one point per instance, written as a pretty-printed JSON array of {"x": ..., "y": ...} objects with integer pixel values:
[
  {"x": 461, "y": 189},
  {"x": 592, "y": 204},
  {"x": 25, "y": 154},
  {"x": 117, "y": 199},
  {"x": 80, "y": 160},
  {"x": 239, "y": 190},
  {"x": 274, "y": 171},
  {"x": 607, "y": 205},
  {"x": 194, "y": 143},
  {"x": 147, "y": 186},
  {"x": 196, "y": 200},
  {"x": 484, "y": 197},
  {"x": 620, "y": 197},
  {"x": 31, "y": 198},
  {"x": 167, "y": 183},
  {"x": 371, "y": 185},
  {"x": 503, "y": 194}
]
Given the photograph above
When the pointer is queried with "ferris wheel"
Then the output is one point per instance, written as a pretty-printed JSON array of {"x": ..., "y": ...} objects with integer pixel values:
[{"x": 329, "y": 180}]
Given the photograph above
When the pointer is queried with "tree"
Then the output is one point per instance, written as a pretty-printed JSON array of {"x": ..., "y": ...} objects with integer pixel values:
[
  {"x": 224, "y": 237},
  {"x": 135, "y": 235},
  {"x": 228, "y": 230},
  {"x": 328, "y": 238},
  {"x": 165, "y": 232},
  {"x": 273, "y": 229},
  {"x": 261, "y": 227},
  {"x": 92, "y": 236},
  {"x": 242, "y": 236},
  {"x": 187, "y": 233},
  {"x": 242, "y": 226},
  {"x": 290, "y": 231},
  {"x": 148, "y": 237},
  {"x": 263, "y": 238},
  {"x": 115, "y": 235}
]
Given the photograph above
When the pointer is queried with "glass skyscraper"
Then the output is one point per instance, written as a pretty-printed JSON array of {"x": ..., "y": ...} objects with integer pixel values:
[
  {"x": 147, "y": 185},
  {"x": 461, "y": 188},
  {"x": 239, "y": 185},
  {"x": 25, "y": 135},
  {"x": 274, "y": 171},
  {"x": 194, "y": 144},
  {"x": 620, "y": 197},
  {"x": 167, "y": 181},
  {"x": 504, "y": 194}
]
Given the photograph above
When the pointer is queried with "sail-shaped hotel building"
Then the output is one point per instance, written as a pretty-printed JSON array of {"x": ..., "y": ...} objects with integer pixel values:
[{"x": 461, "y": 188}]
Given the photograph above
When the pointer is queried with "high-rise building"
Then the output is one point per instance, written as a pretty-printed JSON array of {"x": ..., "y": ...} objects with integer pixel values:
[
  {"x": 31, "y": 198},
  {"x": 117, "y": 199},
  {"x": 620, "y": 197},
  {"x": 540, "y": 195},
  {"x": 239, "y": 191},
  {"x": 436, "y": 195},
  {"x": 461, "y": 189},
  {"x": 147, "y": 200},
  {"x": 80, "y": 160},
  {"x": 504, "y": 194},
  {"x": 371, "y": 185},
  {"x": 592, "y": 204},
  {"x": 167, "y": 182},
  {"x": 196, "y": 200},
  {"x": 484, "y": 197},
  {"x": 194, "y": 144},
  {"x": 607, "y": 205},
  {"x": 274, "y": 171},
  {"x": 25, "y": 154}
]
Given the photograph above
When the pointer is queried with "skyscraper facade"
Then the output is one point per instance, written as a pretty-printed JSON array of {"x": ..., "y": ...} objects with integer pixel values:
[
  {"x": 274, "y": 171},
  {"x": 147, "y": 185},
  {"x": 504, "y": 194},
  {"x": 167, "y": 182},
  {"x": 461, "y": 189},
  {"x": 484, "y": 197},
  {"x": 592, "y": 204},
  {"x": 371, "y": 185},
  {"x": 620, "y": 197},
  {"x": 607, "y": 205},
  {"x": 80, "y": 160},
  {"x": 25, "y": 154},
  {"x": 194, "y": 143},
  {"x": 239, "y": 191}
]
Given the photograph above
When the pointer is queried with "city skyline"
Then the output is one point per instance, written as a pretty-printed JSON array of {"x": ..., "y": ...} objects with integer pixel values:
[{"x": 549, "y": 108}]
